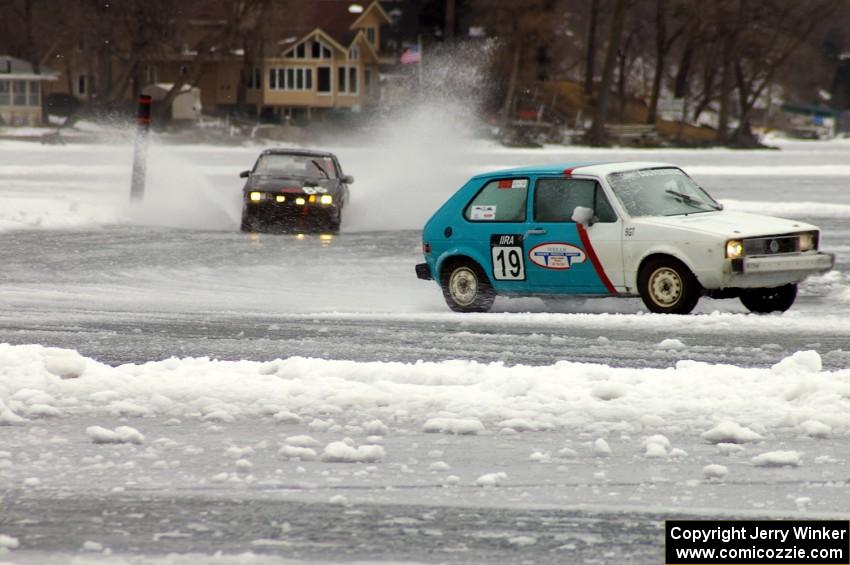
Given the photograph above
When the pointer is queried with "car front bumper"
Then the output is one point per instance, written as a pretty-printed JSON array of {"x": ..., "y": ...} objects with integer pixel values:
[
  {"x": 769, "y": 271},
  {"x": 813, "y": 263}
]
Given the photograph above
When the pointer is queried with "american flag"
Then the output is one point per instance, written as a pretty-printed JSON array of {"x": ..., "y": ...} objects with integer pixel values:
[{"x": 411, "y": 55}]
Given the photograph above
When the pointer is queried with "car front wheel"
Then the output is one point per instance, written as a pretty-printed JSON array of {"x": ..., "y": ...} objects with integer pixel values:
[
  {"x": 334, "y": 221},
  {"x": 466, "y": 288},
  {"x": 667, "y": 286},
  {"x": 766, "y": 300},
  {"x": 250, "y": 222}
]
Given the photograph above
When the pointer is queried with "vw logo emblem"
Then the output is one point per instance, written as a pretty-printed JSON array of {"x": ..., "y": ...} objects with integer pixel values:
[{"x": 774, "y": 246}]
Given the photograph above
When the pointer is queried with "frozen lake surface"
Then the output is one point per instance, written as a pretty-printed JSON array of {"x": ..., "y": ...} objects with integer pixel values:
[{"x": 534, "y": 433}]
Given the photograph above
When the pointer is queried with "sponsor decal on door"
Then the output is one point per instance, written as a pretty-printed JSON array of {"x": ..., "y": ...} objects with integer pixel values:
[{"x": 556, "y": 256}]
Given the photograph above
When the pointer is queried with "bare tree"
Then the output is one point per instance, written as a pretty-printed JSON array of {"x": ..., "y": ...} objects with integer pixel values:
[
  {"x": 663, "y": 43},
  {"x": 521, "y": 28},
  {"x": 450, "y": 20},
  {"x": 590, "y": 50},
  {"x": 600, "y": 115},
  {"x": 774, "y": 31},
  {"x": 240, "y": 17}
]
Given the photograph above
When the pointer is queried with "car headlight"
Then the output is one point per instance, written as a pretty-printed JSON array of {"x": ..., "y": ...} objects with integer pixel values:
[
  {"x": 300, "y": 201},
  {"x": 280, "y": 198},
  {"x": 256, "y": 196},
  {"x": 734, "y": 249},
  {"x": 326, "y": 199},
  {"x": 807, "y": 241}
]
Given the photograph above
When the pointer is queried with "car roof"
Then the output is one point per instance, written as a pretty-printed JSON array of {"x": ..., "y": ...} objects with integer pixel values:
[
  {"x": 290, "y": 151},
  {"x": 600, "y": 168}
]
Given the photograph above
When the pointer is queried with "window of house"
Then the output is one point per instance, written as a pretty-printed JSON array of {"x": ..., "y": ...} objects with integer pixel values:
[
  {"x": 555, "y": 200},
  {"x": 347, "y": 80},
  {"x": 367, "y": 78},
  {"x": 5, "y": 97},
  {"x": 301, "y": 51},
  {"x": 291, "y": 79},
  {"x": 499, "y": 201},
  {"x": 35, "y": 91},
  {"x": 258, "y": 80},
  {"x": 323, "y": 79},
  {"x": 370, "y": 35},
  {"x": 19, "y": 93},
  {"x": 317, "y": 50},
  {"x": 352, "y": 80},
  {"x": 82, "y": 84},
  {"x": 341, "y": 85},
  {"x": 354, "y": 53}
]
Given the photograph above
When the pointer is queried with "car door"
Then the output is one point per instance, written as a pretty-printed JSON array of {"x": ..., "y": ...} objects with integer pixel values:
[
  {"x": 567, "y": 257},
  {"x": 495, "y": 224}
]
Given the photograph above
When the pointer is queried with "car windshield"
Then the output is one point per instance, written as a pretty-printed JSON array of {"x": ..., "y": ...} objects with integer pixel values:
[
  {"x": 309, "y": 166},
  {"x": 660, "y": 192}
]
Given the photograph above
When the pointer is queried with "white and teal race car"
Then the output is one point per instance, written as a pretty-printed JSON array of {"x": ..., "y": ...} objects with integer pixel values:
[{"x": 612, "y": 229}]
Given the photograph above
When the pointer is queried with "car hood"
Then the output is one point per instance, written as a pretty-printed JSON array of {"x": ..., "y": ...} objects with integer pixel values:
[
  {"x": 291, "y": 185},
  {"x": 728, "y": 224}
]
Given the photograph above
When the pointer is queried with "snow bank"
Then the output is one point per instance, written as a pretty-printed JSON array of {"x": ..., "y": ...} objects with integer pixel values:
[
  {"x": 341, "y": 452},
  {"x": 491, "y": 479},
  {"x": 730, "y": 432},
  {"x": 460, "y": 426},
  {"x": 121, "y": 434},
  {"x": 715, "y": 472},
  {"x": 8, "y": 542},
  {"x": 723, "y": 403},
  {"x": 778, "y": 459}
]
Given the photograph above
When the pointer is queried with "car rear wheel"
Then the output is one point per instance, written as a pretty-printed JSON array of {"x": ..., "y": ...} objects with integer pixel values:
[
  {"x": 667, "y": 286},
  {"x": 766, "y": 300},
  {"x": 466, "y": 288}
]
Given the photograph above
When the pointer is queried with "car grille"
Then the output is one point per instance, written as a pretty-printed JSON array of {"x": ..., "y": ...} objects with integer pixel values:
[{"x": 772, "y": 245}]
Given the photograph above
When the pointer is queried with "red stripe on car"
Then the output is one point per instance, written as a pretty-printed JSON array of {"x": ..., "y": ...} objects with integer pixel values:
[{"x": 585, "y": 241}]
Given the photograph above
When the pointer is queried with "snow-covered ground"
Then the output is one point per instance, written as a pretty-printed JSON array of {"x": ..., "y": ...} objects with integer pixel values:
[{"x": 263, "y": 387}]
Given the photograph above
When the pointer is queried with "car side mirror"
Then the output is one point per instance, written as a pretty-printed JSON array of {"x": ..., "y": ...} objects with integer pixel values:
[
  {"x": 245, "y": 174},
  {"x": 720, "y": 206},
  {"x": 348, "y": 179},
  {"x": 583, "y": 216}
]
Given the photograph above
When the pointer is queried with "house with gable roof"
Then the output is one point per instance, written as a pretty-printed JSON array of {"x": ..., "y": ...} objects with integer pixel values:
[{"x": 330, "y": 62}]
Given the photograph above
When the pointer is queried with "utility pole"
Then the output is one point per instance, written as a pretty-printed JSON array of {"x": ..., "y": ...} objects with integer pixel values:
[{"x": 140, "y": 149}]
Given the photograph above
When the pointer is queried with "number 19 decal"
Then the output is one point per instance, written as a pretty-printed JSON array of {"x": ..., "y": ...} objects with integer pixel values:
[{"x": 507, "y": 255}]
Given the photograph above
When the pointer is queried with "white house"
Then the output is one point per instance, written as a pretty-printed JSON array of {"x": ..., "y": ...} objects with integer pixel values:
[{"x": 20, "y": 92}]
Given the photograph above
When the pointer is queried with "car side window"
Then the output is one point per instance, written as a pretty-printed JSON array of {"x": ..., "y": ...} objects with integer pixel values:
[
  {"x": 499, "y": 201},
  {"x": 556, "y": 199}
]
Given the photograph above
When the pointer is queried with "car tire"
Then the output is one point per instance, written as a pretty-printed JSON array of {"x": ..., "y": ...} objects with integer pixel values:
[
  {"x": 466, "y": 288},
  {"x": 767, "y": 300},
  {"x": 249, "y": 223},
  {"x": 334, "y": 222},
  {"x": 667, "y": 286}
]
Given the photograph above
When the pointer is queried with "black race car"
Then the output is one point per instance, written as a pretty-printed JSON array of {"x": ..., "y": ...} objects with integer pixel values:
[{"x": 294, "y": 189}]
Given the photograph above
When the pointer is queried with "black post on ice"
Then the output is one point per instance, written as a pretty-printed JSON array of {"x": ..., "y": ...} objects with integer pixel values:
[{"x": 140, "y": 152}]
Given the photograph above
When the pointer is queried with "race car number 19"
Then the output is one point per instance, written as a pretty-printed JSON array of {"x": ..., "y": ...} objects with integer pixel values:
[{"x": 507, "y": 256}]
